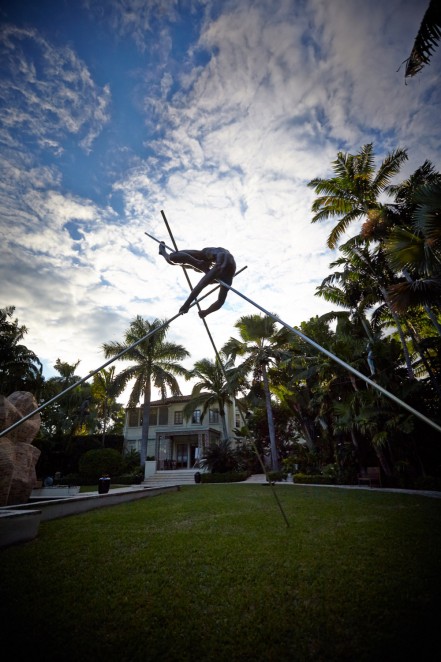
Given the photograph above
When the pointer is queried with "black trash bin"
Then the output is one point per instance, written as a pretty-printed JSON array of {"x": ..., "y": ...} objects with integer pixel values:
[
  {"x": 197, "y": 477},
  {"x": 103, "y": 484}
]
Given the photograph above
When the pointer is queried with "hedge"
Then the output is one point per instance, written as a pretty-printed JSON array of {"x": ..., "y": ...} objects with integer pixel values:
[
  {"x": 230, "y": 477},
  {"x": 313, "y": 479}
]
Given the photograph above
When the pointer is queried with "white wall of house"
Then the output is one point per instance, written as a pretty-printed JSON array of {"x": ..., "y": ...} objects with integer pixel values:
[{"x": 175, "y": 441}]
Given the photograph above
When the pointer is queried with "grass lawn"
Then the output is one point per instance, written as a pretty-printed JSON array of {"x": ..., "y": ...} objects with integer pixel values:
[{"x": 212, "y": 573}]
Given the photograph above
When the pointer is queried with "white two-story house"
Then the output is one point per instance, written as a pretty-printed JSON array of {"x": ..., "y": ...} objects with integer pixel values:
[{"x": 176, "y": 442}]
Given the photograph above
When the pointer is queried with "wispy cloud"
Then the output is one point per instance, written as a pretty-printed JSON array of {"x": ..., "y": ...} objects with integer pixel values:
[{"x": 47, "y": 92}]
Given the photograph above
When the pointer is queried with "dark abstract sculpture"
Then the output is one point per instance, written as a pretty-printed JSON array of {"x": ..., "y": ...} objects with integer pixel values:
[{"x": 216, "y": 263}]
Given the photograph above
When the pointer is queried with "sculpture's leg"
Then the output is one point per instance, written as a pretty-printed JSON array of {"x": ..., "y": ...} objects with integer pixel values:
[{"x": 205, "y": 280}]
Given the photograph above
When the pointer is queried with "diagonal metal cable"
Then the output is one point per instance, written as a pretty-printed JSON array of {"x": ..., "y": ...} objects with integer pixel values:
[
  {"x": 104, "y": 365},
  {"x": 335, "y": 358},
  {"x": 301, "y": 335}
]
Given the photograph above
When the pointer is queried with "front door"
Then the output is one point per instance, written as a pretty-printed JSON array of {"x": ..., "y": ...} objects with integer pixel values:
[{"x": 182, "y": 456}]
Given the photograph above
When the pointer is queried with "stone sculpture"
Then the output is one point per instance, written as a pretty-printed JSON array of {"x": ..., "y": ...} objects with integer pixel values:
[{"x": 18, "y": 456}]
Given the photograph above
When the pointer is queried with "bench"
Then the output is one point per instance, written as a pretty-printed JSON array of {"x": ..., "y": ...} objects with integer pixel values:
[{"x": 372, "y": 477}]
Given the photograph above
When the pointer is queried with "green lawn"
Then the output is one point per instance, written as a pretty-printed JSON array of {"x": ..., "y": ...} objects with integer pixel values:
[{"x": 212, "y": 573}]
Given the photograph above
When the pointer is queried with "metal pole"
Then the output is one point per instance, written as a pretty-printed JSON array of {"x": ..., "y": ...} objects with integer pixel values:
[
  {"x": 223, "y": 369},
  {"x": 336, "y": 359},
  {"x": 94, "y": 372}
]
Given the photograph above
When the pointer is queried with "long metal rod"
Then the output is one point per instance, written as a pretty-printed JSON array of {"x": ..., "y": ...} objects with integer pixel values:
[
  {"x": 336, "y": 359},
  {"x": 225, "y": 374},
  {"x": 94, "y": 372}
]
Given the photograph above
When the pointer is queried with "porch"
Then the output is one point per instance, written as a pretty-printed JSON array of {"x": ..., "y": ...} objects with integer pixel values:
[{"x": 177, "y": 451}]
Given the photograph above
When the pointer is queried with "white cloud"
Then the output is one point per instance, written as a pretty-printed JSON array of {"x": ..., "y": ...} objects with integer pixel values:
[{"x": 287, "y": 85}]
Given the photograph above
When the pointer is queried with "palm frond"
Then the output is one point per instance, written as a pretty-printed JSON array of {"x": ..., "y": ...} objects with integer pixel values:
[
  {"x": 427, "y": 215},
  {"x": 425, "y": 291},
  {"x": 342, "y": 226},
  {"x": 405, "y": 250},
  {"x": 389, "y": 167},
  {"x": 426, "y": 40}
]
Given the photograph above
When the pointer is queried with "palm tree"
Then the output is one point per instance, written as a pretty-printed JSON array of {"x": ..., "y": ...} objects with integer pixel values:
[
  {"x": 154, "y": 363},
  {"x": 354, "y": 191},
  {"x": 103, "y": 398},
  {"x": 70, "y": 414},
  {"x": 212, "y": 389},
  {"x": 416, "y": 251},
  {"x": 20, "y": 368},
  {"x": 426, "y": 40},
  {"x": 262, "y": 345}
]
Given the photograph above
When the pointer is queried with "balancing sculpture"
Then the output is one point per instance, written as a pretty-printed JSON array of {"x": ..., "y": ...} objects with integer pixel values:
[{"x": 216, "y": 263}]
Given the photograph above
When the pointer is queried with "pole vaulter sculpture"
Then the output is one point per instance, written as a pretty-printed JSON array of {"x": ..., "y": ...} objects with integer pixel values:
[{"x": 216, "y": 263}]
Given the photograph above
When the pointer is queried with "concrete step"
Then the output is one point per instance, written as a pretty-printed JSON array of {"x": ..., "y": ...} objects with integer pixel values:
[{"x": 177, "y": 477}]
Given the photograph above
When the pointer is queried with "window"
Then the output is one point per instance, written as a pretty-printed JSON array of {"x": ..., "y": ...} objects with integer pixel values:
[
  {"x": 196, "y": 416},
  {"x": 214, "y": 417},
  {"x": 133, "y": 418},
  {"x": 179, "y": 417},
  {"x": 163, "y": 416},
  {"x": 153, "y": 418}
]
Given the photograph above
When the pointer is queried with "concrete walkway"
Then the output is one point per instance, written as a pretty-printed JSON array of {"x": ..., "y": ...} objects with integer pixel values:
[{"x": 259, "y": 479}]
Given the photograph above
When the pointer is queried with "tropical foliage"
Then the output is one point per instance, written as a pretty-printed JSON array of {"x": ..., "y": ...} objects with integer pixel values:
[
  {"x": 213, "y": 390},
  {"x": 299, "y": 405},
  {"x": 262, "y": 346},
  {"x": 426, "y": 40},
  {"x": 20, "y": 368}
]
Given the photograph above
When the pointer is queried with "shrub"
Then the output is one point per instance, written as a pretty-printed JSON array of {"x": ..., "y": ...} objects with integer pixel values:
[
  {"x": 277, "y": 476},
  {"x": 330, "y": 470},
  {"x": 133, "y": 478},
  {"x": 131, "y": 462},
  {"x": 313, "y": 479},
  {"x": 427, "y": 483},
  {"x": 102, "y": 460},
  {"x": 219, "y": 457},
  {"x": 226, "y": 477}
]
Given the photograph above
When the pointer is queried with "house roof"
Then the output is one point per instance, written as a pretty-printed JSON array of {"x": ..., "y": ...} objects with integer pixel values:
[{"x": 168, "y": 401}]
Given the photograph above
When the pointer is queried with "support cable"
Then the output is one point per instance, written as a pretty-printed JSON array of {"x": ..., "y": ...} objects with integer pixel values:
[
  {"x": 336, "y": 359},
  {"x": 94, "y": 372}
]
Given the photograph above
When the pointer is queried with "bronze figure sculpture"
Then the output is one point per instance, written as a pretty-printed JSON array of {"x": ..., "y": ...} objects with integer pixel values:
[{"x": 216, "y": 263}]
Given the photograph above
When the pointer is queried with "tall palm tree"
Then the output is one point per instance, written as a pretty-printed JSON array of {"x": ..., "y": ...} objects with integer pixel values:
[
  {"x": 154, "y": 363},
  {"x": 20, "y": 368},
  {"x": 354, "y": 191},
  {"x": 103, "y": 398},
  {"x": 212, "y": 390},
  {"x": 262, "y": 345},
  {"x": 426, "y": 40}
]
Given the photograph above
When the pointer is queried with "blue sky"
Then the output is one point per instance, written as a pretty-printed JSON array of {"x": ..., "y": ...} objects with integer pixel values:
[{"x": 219, "y": 113}]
